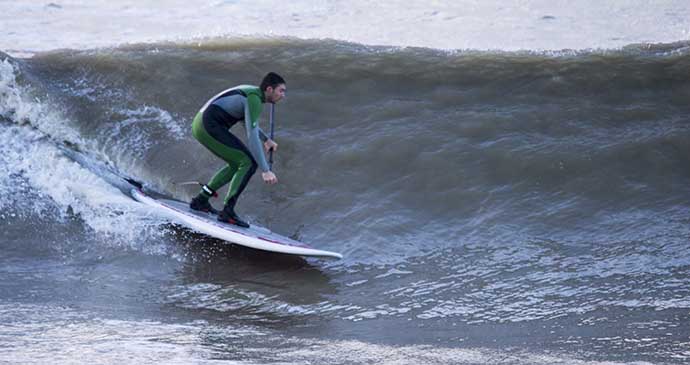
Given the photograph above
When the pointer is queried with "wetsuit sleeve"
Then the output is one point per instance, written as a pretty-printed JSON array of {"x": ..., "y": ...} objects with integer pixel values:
[
  {"x": 263, "y": 135},
  {"x": 252, "y": 109}
]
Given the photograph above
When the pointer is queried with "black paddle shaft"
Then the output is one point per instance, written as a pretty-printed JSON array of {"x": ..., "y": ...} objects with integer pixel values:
[{"x": 270, "y": 153}]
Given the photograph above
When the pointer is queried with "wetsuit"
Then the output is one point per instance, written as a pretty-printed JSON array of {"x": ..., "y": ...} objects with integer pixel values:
[{"x": 211, "y": 127}]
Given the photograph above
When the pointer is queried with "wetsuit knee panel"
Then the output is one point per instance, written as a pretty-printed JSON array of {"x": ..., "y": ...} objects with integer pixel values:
[{"x": 248, "y": 163}]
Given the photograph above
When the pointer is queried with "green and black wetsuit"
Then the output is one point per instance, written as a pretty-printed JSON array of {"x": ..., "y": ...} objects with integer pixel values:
[{"x": 211, "y": 127}]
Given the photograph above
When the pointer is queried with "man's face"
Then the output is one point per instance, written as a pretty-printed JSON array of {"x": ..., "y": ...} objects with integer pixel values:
[{"x": 274, "y": 95}]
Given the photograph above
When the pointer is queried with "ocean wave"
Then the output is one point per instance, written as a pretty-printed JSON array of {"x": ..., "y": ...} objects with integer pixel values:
[{"x": 406, "y": 137}]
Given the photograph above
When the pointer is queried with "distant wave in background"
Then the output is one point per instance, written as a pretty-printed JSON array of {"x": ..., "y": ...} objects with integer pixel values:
[{"x": 509, "y": 25}]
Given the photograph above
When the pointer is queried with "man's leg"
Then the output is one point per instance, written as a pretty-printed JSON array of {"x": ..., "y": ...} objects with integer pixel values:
[
  {"x": 241, "y": 166},
  {"x": 222, "y": 151}
]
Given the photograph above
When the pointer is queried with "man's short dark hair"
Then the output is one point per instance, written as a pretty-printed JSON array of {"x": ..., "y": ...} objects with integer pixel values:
[{"x": 271, "y": 79}]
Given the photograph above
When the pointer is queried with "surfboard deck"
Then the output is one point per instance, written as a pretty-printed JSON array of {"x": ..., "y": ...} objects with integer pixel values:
[{"x": 255, "y": 236}]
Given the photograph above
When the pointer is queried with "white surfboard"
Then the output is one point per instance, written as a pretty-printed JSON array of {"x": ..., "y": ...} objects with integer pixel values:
[{"x": 255, "y": 236}]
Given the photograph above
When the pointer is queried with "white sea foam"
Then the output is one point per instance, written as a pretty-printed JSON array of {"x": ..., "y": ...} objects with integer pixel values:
[
  {"x": 59, "y": 335},
  {"x": 17, "y": 105},
  {"x": 30, "y": 158},
  {"x": 449, "y": 24},
  {"x": 72, "y": 188},
  {"x": 359, "y": 352}
]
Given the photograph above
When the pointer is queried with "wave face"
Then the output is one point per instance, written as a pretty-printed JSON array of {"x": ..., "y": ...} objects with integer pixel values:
[{"x": 476, "y": 190}]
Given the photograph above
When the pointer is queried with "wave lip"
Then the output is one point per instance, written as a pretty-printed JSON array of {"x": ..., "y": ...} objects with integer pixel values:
[{"x": 39, "y": 183}]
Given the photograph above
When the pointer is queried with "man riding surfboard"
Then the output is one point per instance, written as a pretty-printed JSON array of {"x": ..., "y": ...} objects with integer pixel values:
[{"x": 211, "y": 127}]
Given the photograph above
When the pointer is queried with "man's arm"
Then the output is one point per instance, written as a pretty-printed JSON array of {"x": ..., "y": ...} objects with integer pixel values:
[
  {"x": 263, "y": 135},
  {"x": 252, "y": 109}
]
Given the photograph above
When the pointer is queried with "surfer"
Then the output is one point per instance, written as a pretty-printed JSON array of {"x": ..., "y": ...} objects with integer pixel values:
[{"x": 211, "y": 127}]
